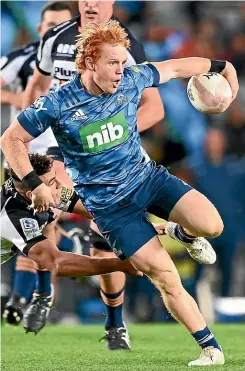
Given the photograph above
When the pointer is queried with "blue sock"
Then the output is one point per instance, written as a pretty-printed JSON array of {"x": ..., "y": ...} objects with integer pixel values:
[
  {"x": 44, "y": 282},
  {"x": 113, "y": 314},
  {"x": 182, "y": 235},
  {"x": 205, "y": 338},
  {"x": 24, "y": 284}
]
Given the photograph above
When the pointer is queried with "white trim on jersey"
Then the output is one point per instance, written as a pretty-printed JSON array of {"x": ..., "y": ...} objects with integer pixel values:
[
  {"x": 8, "y": 230},
  {"x": 44, "y": 60}
]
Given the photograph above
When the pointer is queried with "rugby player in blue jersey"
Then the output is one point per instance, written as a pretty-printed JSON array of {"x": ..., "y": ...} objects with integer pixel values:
[{"x": 94, "y": 120}]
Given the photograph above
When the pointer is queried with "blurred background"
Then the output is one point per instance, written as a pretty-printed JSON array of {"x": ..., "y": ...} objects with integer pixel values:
[{"x": 206, "y": 151}]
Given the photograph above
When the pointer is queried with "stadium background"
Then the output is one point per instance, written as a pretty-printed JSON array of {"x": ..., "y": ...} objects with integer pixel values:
[{"x": 206, "y": 151}]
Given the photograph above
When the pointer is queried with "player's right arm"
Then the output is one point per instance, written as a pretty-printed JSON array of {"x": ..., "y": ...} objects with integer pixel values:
[
  {"x": 29, "y": 125},
  {"x": 46, "y": 254}
]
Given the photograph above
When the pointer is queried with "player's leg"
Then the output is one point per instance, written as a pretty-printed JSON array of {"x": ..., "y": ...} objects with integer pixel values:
[
  {"x": 154, "y": 261},
  {"x": 24, "y": 284},
  {"x": 36, "y": 315},
  {"x": 112, "y": 287},
  {"x": 197, "y": 215},
  {"x": 191, "y": 215}
]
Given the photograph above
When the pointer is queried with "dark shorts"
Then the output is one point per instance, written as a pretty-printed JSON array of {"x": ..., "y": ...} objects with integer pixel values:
[
  {"x": 55, "y": 153},
  {"x": 125, "y": 224}
]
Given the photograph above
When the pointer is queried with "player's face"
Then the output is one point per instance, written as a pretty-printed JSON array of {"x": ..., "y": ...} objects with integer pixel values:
[
  {"x": 108, "y": 70},
  {"x": 52, "y": 18},
  {"x": 95, "y": 11},
  {"x": 51, "y": 181}
]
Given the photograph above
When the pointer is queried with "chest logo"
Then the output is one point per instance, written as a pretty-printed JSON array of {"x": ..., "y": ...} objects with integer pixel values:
[{"x": 104, "y": 134}]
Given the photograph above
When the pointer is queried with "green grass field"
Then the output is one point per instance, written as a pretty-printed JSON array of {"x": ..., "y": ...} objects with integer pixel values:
[{"x": 154, "y": 348}]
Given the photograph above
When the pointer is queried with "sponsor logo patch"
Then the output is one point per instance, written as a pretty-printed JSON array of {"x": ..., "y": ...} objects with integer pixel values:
[
  {"x": 104, "y": 134},
  {"x": 30, "y": 228}
]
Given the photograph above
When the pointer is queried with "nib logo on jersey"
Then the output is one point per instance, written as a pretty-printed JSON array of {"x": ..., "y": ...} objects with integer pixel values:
[{"x": 104, "y": 134}]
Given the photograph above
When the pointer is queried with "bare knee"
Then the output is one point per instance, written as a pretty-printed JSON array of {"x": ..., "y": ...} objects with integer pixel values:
[{"x": 213, "y": 228}]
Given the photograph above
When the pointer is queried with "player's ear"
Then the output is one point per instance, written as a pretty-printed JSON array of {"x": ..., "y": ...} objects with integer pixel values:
[
  {"x": 39, "y": 29},
  {"x": 89, "y": 63},
  {"x": 28, "y": 195}
]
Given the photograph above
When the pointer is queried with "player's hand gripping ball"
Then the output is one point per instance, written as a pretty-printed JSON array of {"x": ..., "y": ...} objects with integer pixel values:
[{"x": 209, "y": 92}]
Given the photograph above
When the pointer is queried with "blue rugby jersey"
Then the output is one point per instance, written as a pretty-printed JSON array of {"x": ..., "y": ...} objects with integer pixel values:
[{"x": 97, "y": 135}]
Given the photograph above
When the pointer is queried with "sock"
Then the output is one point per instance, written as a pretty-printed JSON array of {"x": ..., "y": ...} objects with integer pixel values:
[
  {"x": 113, "y": 308},
  {"x": 205, "y": 338},
  {"x": 44, "y": 282},
  {"x": 182, "y": 235},
  {"x": 24, "y": 278}
]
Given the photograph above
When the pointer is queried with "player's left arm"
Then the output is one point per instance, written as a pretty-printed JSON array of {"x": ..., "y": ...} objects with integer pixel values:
[
  {"x": 151, "y": 109},
  {"x": 187, "y": 67},
  {"x": 70, "y": 202}
]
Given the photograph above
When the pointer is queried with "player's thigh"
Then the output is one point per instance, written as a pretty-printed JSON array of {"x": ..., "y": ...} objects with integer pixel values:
[
  {"x": 196, "y": 213},
  {"x": 62, "y": 174},
  {"x": 154, "y": 261}
]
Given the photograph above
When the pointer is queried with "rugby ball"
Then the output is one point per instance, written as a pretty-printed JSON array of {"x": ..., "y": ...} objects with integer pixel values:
[{"x": 209, "y": 92}]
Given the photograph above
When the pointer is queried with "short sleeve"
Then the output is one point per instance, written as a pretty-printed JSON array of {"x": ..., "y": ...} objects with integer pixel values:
[
  {"x": 142, "y": 76},
  {"x": 44, "y": 61},
  {"x": 41, "y": 115},
  {"x": 20, "y": 227}
]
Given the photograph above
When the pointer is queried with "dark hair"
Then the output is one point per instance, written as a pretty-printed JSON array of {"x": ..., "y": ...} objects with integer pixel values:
[
  {"x": 41, "y": 164},
  {"x": 55, "y": 6}
]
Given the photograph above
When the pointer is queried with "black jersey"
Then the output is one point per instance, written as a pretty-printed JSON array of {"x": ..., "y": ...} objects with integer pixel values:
[
  {"x": 21, "y": 225},
  {"x": 16, "y": 69},
  {"x": 56, "y": 53}
]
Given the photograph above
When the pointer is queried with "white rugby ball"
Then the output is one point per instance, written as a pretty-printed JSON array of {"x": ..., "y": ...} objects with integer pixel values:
[{"x": 209, "y": 92}]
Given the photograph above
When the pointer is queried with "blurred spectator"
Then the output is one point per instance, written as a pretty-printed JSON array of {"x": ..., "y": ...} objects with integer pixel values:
[
  {"x": 235, "y": 129},
  {"x": 237, "y": 51},
  {"x": 221, "y": 179}
]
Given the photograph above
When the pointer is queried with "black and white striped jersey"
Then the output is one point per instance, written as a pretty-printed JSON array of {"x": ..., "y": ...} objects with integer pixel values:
[
  {"x": 16, "y": 69},
  {"x": 56, "y": 53},
  {"x": 21, "y": 225}
]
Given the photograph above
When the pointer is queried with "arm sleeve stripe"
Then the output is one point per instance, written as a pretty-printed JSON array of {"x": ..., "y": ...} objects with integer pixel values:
[
  {"x": 42, "y": 71},
  {"x": 156, "y": 75},
  {"x": 32, "y": 243},
  {"x": 25, "y": 123}
]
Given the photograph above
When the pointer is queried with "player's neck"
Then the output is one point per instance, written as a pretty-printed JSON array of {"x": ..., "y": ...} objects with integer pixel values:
[{"x": 88, "y": 82}]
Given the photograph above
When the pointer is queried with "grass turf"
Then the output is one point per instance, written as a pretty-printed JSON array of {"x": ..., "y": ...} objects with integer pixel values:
[{"x": 155, "y": 347}]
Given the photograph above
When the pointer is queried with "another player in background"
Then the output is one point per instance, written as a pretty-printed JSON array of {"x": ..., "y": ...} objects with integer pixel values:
[
  {"x": 56, "y": 56},
  {"x": 16, "y": 70},
  {"x": 114, "y": 177},
  {"x": 24, "y": 227}
]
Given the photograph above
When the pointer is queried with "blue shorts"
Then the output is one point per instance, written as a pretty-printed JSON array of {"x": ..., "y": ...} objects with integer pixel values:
[{"x": 125, "y": 224}]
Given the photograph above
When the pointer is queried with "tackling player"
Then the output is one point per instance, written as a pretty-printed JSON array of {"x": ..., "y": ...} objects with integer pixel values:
[
  {"x": 57, "y": 56},
  {"x": 16, "y": 70},
  {"x": 23, "y": 229},
  {"x": 113, "y": 175}
]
